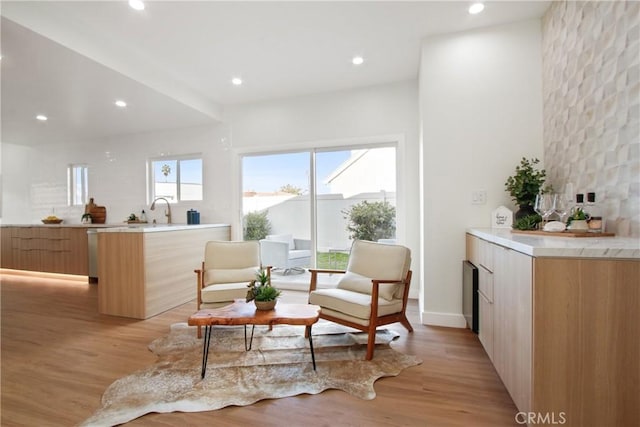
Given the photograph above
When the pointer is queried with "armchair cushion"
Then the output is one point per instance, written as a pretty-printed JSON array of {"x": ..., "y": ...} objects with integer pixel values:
[
  {"x": 352, "y": 305},
  {"x": 230, "y": 275},
  {"x": 357, "y": 283},
  {"x": 379, "y": 261},
  {"x": 223, "y": 292}
]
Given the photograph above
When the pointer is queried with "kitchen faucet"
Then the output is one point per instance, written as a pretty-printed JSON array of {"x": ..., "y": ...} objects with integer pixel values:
[{"x": 167, "y": 213}]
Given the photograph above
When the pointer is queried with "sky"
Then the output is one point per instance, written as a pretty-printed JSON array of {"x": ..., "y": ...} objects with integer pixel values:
[
  {"x": 267, "y": 173},
  {"x": 190, "y": 171}
]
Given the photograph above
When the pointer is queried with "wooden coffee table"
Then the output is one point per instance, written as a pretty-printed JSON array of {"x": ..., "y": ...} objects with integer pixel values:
[{"x": 243, "y": 313}]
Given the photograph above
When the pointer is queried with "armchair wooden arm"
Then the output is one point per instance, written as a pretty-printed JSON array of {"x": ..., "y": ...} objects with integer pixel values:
[
  {"x": 314, "y": 276},
  {"x": 200, "y": 281}
]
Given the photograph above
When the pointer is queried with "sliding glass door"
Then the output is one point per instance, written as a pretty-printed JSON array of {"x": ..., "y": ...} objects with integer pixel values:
[
  {"x": 275, "y": 207},
  {"x": 318, "y": 201},
  {"x": 355, "y": 199}
]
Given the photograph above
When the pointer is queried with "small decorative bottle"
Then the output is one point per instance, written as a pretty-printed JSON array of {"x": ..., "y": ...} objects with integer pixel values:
[
  {"x": 595, "y": 218},
  {"x": 143, "y": 216}
]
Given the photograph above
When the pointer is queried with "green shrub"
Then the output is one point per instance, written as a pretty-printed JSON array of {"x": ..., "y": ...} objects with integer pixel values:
[
  {"x": 256, "y": 225},
  {"x": 529, "y": 222},
  {"x": 371, "y": 221}
]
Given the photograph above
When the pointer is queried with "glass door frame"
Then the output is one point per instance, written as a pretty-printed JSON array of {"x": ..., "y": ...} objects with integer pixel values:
[{"x": 396, "y": 141}]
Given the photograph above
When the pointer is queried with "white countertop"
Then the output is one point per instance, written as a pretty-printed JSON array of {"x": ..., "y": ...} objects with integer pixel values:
[
  {"x": 65, "y": 225},
  {"x": 153, "y": 228},
  {"x": 558, "y": 246}
]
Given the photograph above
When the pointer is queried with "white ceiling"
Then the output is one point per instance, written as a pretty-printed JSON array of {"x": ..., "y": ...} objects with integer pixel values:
[{"x": 173, "y": 62}]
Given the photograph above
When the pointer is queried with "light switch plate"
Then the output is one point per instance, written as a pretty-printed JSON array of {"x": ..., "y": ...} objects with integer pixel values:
[{"x": 478, "y": 197}]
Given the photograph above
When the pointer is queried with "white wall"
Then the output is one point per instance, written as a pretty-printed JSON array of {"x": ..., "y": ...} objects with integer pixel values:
[
  {"x": 15, "y": 189},
  {"x": 373, "y": 114},
  {"x": 480, "y": 111},
  {"x": 35, "y": 178}
]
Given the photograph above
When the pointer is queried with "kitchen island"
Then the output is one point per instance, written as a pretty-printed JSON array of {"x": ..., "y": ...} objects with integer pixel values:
[
  {"x": 145, "y": 270},
  {"x": 559, "y": 317}
]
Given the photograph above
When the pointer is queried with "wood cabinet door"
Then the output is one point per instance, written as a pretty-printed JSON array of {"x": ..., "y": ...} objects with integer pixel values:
[
  {"x": 587, "y": 340},
  {"x": 513, "y": 324},
  {"x": 485, "y": 318}
]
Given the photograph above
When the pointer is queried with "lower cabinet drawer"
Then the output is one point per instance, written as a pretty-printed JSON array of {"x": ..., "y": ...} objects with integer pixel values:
[
  {"x": 485, "y": 283},
  {"x": 485, "y": 318}
]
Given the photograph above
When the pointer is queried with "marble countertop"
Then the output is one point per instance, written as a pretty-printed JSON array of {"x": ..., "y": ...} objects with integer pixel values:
[
  {"x": 153, "y": 228},
  {"x": 558, "y": 246},
  {"x": 65, "y": 225},
  {"x": 124, "y": 228}
]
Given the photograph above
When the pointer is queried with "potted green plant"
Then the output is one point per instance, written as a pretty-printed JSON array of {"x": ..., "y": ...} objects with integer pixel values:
[
  {"x": 525, "y": 184},
  {"x": 527, "y": 222},
  {"x": 261, "y": 291}
]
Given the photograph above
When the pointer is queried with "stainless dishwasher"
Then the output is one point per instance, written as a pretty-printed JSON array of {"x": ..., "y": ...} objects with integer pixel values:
[
  {"x": 470, "y": 295},
  {"x": 92, "y": 239}
]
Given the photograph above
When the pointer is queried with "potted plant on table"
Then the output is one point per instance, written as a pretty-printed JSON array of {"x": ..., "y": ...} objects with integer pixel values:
[
  {"x": 261, "y": 291},
  {"x": 525, "y": 184},
  {"x": 578, "y": 220}
]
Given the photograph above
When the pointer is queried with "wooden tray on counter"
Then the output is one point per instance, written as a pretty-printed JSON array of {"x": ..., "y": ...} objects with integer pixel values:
[{"x": 567, "y": 233}]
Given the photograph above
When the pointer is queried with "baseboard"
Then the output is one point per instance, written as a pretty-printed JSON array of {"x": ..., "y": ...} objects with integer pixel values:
[{"x": 449, "y": 320}]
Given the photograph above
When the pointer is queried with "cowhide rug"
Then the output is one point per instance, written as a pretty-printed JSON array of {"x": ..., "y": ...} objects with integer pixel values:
[{"x": 278, "y": 365}]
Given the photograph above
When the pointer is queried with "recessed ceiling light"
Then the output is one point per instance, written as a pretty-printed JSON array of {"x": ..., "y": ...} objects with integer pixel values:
[
  {"x": 236, "y": 81},
  {"x": 136, "y": 4},
  {"x": 476, "y": 8},
  {"x": 357, "y": 60},
  {"x": 121, "y": 103},
  {"x": 41, "y": 117}
]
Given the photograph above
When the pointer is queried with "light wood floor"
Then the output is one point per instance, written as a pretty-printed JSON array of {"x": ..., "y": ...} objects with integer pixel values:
[{"x": 58, "y": 355}]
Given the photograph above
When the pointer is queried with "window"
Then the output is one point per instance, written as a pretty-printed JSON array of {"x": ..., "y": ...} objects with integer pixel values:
[
  {"x": 77, "y": 185},
  {"x": 177, "y": 178},
  {"x": 325, "y": 196}
]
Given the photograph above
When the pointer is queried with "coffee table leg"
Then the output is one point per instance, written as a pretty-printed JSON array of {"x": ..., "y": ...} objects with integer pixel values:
[
  {"x": 313, "y": 356},
  {"x": 248, "y": 347},
  {"x": 205, "y": 349}
]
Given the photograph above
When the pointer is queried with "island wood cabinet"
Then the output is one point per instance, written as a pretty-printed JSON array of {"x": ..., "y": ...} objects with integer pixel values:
[
  {"x": 146, "y": 272},
  {"x": 52, "y": 249},
  {"x": 564, "y": 333}
]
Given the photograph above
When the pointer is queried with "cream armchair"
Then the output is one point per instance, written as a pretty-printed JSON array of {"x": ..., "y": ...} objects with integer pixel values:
[
  {"x": 227, "y": 269},
  {"x": 283, "y": 251},
  {"x": 373, "y": 291}
]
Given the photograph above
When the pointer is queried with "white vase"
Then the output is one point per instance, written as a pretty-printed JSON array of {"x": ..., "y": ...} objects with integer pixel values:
[{"x": 579, "y": 225}]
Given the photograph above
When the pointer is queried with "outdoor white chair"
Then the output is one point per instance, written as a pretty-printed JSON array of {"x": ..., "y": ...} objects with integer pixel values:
[
  {"x": 373, "y": 291},
  {"x": 283, "y": 251},
  {"x": 227, "y": 269}
]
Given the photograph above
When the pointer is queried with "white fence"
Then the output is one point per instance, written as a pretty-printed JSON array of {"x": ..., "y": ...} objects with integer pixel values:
[{"x": 293, "y": 215}]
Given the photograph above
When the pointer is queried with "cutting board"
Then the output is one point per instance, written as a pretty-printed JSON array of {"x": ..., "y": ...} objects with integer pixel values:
[
  {"x": 567, "y": 233},
  {"x": 98, "y": 213}
]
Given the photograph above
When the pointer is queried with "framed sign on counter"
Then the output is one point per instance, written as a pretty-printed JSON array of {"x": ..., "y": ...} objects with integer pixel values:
[{"x": 502, "y": 218}]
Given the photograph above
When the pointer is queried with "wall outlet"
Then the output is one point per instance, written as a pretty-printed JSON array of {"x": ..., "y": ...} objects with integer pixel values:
[{"x": 478, "y": 197}]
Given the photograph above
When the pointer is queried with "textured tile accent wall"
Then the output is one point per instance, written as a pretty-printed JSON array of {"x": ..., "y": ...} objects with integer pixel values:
[{"x": 591, "y": 92}]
